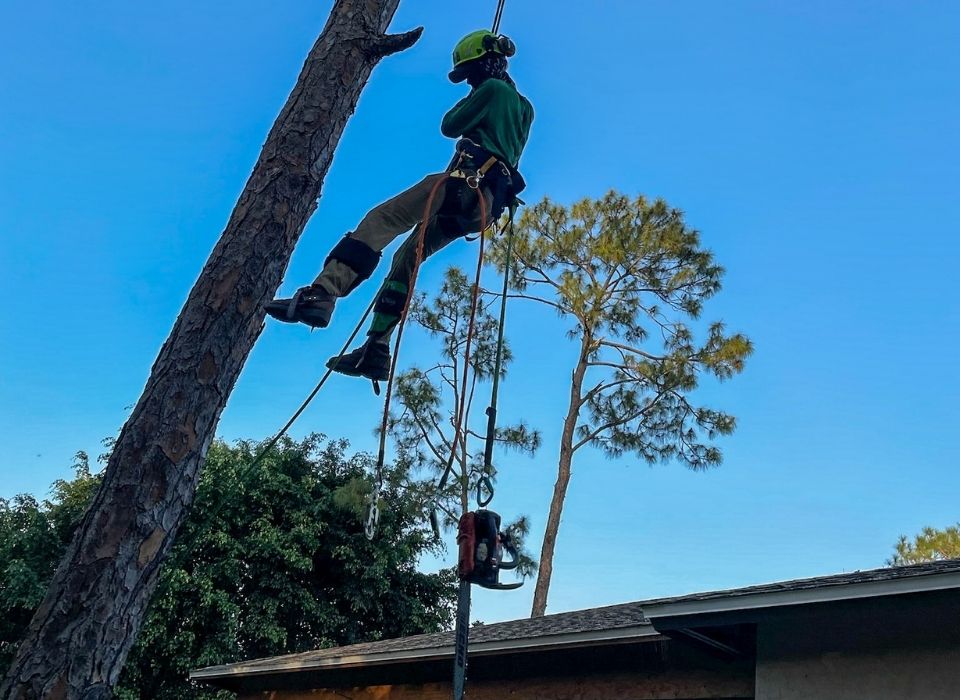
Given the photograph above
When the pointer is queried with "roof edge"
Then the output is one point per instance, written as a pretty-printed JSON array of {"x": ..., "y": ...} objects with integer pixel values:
[
  {"x": 772, "y": 599},
  {"x": 287, "y": 665}
]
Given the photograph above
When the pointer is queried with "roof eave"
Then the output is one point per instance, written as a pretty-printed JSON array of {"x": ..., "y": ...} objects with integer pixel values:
[
  {"x": 353, "y": 661},
  {"x": 806, "y": 596}
]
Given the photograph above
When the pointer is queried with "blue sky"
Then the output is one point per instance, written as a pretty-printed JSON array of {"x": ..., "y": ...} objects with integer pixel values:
[{"x": 813, "y": 144}]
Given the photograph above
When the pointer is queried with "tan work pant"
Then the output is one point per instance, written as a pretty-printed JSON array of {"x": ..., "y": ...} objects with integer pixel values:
[{"x": 385, "y": 222}]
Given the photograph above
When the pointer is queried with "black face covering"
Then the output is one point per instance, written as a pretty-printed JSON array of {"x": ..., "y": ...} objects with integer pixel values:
[{"x": 490, "y": 66}]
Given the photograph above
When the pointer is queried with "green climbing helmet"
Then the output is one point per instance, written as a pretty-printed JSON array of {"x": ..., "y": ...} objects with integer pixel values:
[{"x": 476, "y": 45}]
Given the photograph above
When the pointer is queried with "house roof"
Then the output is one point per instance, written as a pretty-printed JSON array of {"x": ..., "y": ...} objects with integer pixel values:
[
  {"x": 611, "y": 624},
  {"x": 915, "y": 578}
]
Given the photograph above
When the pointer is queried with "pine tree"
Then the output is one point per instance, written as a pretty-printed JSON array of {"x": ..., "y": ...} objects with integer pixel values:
[
  {"x": 80, "y": 635},
  {"x": 429, "y": 400},
  {"x": 630, "y": 278},
  {"x": 930, "y": 544}
]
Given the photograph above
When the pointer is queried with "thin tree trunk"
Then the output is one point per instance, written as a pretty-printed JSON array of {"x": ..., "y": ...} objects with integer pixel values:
[
  {"x": 80, "y": 635},
  {"x": 545, "y": 571}
]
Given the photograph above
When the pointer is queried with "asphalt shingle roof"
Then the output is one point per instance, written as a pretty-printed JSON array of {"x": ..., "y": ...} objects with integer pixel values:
[
  {"x": 819, "y": 582},
  {"x": 609, "y": 618},
  {"x": 594, "y": 619}
]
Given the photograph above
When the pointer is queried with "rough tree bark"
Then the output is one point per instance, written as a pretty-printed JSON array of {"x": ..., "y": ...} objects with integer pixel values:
[{"x": 80, "y": 635}]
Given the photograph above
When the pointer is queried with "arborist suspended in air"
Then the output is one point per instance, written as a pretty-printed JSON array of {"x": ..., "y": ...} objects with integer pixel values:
[{"x": 493, "y": 124}]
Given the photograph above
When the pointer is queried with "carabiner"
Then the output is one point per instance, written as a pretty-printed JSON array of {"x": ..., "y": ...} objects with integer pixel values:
[
  {"x": 373, "y": 516},
  {"x": 484, "y": 483}
]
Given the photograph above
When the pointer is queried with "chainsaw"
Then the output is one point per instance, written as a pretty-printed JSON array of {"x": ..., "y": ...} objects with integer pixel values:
[{"x": 482, "y": 548}]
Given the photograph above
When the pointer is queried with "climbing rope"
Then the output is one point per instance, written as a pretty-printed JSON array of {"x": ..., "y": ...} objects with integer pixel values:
[
  {"x": 462, "y": 629},
  {"x": 485, "y": 482},
  {"x": 373, "y": 509},
  {"x": 258, "y": 458},
  {"x": 459, "y": 430},
  {"x": 459, "y": 433},
  {"x": 497, "y": 17}
]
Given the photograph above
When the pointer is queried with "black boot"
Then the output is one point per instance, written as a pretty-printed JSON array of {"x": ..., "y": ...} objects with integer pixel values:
[
  {"x": 310, "y": 305},
  {"x": 370, "y": 360}
]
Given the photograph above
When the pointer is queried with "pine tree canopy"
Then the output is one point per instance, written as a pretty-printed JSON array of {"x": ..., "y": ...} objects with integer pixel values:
[
  {"x": 931, "y": 544},
  {"x": 631, "y": 278}
]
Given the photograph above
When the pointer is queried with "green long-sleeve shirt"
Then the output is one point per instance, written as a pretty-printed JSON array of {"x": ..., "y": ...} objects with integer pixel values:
[{"x": 495, "y": 116}]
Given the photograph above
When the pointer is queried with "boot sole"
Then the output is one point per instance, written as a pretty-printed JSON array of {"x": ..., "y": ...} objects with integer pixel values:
[
  {"x": 311, "y": 317},
  {"x": 346, "y": 369}
]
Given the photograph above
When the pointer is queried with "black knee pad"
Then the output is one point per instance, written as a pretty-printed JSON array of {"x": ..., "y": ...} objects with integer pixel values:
[
  {"x": 391, "y": 299},
  {"x": 356, "y": 255}
]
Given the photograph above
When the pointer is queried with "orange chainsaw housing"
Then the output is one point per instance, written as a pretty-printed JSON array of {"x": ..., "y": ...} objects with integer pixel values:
[{"x": 467, "y": 540}]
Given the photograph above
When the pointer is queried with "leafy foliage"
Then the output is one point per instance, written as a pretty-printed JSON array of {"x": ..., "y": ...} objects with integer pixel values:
[
  {"x": 33, "y": 536},
  {"x": 930, "y": 545},
  {"x": 270, "y": 563},
  {"x": 424, "y": 430}
]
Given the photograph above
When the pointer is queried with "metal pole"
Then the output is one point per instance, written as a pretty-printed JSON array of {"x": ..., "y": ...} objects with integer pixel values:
[{"x": 462, "y": 640}]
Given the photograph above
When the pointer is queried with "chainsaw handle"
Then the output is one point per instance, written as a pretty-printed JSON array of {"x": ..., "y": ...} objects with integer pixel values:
[
  {"x": 503, "y": 586},
  {"x": 514, "y": 560}
]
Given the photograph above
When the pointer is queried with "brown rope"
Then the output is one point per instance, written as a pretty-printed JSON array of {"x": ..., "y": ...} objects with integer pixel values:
[
  {"x": 418, "y": 258},
  {"x": 459, "y": 432}
]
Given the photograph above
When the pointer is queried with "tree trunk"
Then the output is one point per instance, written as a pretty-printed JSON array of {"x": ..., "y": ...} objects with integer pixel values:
[
  {"x": 545, "y": 571},
  {"x": 80, "y": 635}
]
